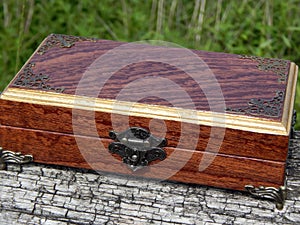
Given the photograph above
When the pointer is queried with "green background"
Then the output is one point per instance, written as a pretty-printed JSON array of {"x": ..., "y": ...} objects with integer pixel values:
[{"x": 262, "y": 28}]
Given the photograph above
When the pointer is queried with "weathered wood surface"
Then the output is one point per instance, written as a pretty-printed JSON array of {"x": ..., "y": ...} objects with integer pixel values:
[{"x": 38, "y": 194}]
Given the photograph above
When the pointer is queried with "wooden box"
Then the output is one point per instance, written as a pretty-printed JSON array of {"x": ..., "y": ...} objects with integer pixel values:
[{"x": 154, "y": 111}]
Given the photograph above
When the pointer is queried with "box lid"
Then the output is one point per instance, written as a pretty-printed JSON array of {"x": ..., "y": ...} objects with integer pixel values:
[{"x": 215, "y": 89}]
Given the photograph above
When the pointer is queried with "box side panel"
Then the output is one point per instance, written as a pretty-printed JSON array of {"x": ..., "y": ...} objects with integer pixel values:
[
  {"x": 179, "y": 135},
  {"x": 180, "y": 165}
]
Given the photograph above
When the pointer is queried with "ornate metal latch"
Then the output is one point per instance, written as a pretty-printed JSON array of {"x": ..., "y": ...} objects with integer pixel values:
[
  {"x": 13, "y": 157},
  {"x": 137, "y": 147}
]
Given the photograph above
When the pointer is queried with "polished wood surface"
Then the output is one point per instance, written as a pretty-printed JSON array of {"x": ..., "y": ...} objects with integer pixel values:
[
  {"x": 180, "y": 135},
  {"x": 212, "y": 119},
  {"x": 240, "y": 79},
  {"x": 61, "y": 149},
  {"x": 243, "y": 150}
]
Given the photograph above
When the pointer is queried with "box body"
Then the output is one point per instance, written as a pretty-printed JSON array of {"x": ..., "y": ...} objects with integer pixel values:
[{"x": 215, "y": 119}]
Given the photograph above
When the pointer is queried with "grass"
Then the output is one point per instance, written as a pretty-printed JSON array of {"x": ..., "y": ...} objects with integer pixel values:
[{"x": 268, "y": 28}]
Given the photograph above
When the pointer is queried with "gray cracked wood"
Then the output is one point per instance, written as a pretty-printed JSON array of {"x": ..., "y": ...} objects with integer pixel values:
[{"x": 39, "y": 194}]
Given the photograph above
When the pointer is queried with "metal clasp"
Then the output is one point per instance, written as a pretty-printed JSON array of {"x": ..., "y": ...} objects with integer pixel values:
[{"x": 137, "y": 147}]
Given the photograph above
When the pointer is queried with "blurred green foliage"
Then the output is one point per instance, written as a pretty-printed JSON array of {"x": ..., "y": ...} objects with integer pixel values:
[{"x": 268, "y": 28}]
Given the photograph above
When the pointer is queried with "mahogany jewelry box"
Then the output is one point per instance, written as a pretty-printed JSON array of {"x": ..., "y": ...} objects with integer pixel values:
[{"x": 153, "y": 111}]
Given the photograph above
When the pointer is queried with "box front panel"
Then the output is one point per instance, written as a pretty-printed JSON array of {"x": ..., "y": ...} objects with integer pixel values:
[{"x": 179, "y": 165}]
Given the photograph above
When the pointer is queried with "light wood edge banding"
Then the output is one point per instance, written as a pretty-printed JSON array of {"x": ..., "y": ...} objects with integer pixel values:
[
  {"x": 225, "y": 120},
  {"x": 288, "y": 107}
]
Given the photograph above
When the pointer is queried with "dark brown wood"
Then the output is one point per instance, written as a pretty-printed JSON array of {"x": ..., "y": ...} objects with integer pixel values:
[
  {"x": 180, "y": 135},
  {"x": 251, "y": 86},
  {"x": 240, "y": 79},
  {"x": 61, "y": 149}
]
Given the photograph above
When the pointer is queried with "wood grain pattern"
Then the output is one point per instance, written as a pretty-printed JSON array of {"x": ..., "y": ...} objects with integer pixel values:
[
  {"x": 61, "y": 149},
  {"x": 212, "y": 119},
  {"x": 180, "y": 135},
  {"x": 53, "y": 134},
  {"x": 240, "y": 80}
]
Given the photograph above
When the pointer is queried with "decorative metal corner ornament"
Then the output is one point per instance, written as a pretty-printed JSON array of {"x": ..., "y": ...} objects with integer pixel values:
[
  {"x": 278, "y": 195},
  {"x": 137, "y": 147},
  {"x": 13, "y": 157},
  {"x": 267, "y": 107},
  {"x": 278, "y": 66},
  {"x": 62, "y": 41},
  {"x": 29, "y": 79}
]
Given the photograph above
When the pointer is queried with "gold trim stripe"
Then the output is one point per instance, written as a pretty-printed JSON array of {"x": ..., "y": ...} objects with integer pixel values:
[
  {"x": 225, "y": 120},
  {"x": 288, "y": 107}
]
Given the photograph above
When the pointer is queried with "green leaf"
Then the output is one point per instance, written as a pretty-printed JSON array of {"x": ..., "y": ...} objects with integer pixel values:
[
  {"x": 286, "y": 41},
  {"x": 293, "y": 28}
]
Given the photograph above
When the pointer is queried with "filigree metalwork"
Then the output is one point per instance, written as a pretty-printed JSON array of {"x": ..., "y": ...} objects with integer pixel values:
[
  {"x": 278, "y": 195},
  {"x": 62, "y": 41},
  {"x": 13, "y": 157},
  {"x": 278, "y": 66},
  {"x": 137, "y": 147},
  {"x": 29, "y": 79},
  {"x": 267, "y": 107}
]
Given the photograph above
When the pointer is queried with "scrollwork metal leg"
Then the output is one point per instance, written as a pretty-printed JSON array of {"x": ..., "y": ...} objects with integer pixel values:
[
  {"x": 13, "y": 157},
  {"x": 278, "y": 195}
]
